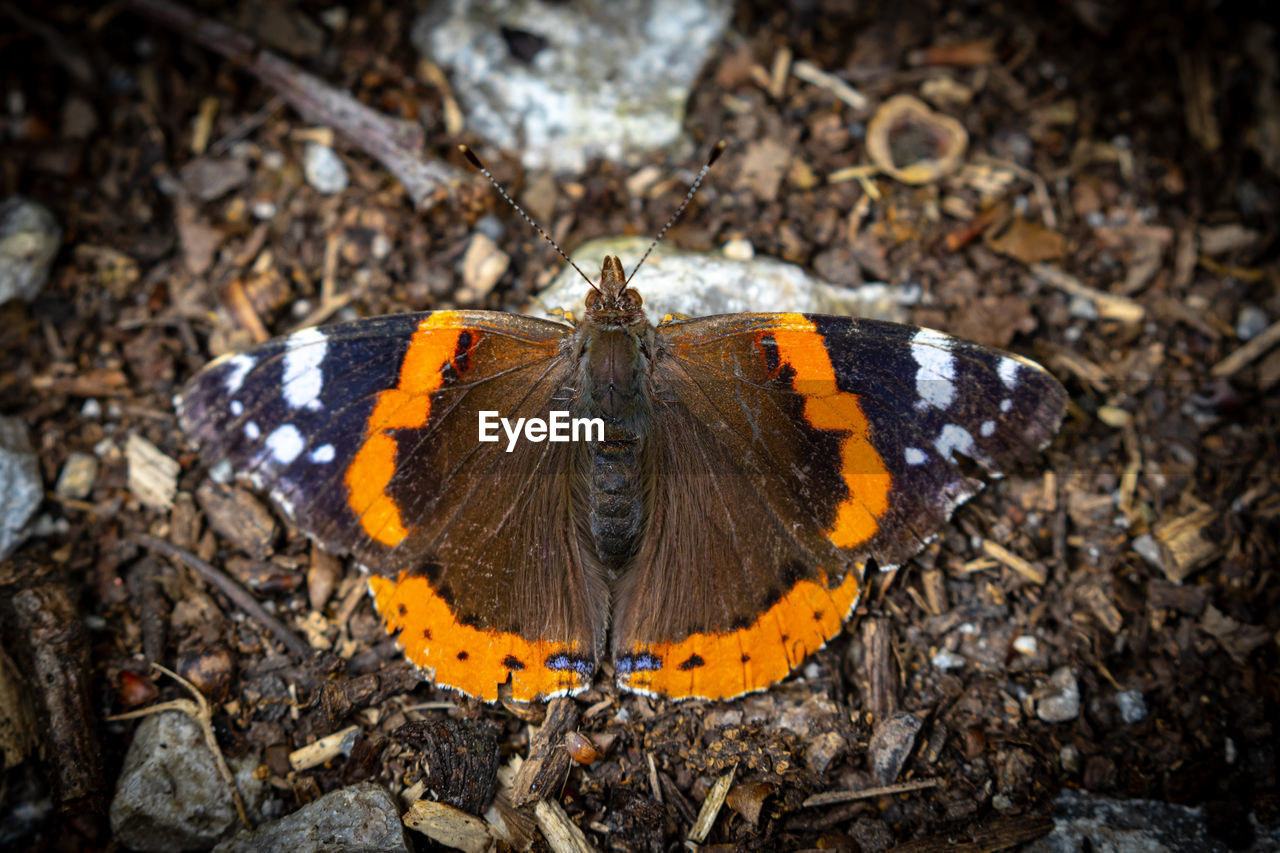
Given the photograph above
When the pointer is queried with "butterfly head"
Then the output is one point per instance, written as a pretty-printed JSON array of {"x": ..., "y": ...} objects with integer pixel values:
[{"x": 613, "y": 303}]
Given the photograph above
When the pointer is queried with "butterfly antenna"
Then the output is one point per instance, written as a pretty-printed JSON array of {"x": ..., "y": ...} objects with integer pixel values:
[
  {"x": 715, "y": 155},
  {"x": 475, "y": 161}
]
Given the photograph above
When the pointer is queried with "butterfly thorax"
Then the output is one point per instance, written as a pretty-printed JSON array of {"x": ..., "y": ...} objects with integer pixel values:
[{"x": 615, "y": 343}]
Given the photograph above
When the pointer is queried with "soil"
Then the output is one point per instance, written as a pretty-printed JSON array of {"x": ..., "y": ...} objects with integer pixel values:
[{"x": 1115, "y": 219}]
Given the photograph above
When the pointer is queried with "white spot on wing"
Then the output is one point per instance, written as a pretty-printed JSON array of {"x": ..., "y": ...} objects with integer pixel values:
[
  {"x": 1008, "y": 370},
  {"x": 951, "y": 439},
  {"x": 285, "y": 443},
  {"x": 937, "y": 367},
  {"x": 914, "y": 456},
  {"x": 238, "y": 367},
  {"x": 987, "y": 429},
  {"x": 1006, "y": 405},
  {"x": 237, "y": 408},
  {"x": 323, "y": 454},
  {"x": 251, "y": 431},
  {"x": 303, "y": 377}
]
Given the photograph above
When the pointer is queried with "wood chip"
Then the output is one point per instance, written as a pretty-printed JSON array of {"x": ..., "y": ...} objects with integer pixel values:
[
  {"x": 446, "y": 825},
  {"x": 153, "y": 476},
  {"x": 1249, "y": 352},
  {"x": 562, "y": 834},
  {"x": 1185, "y": 545},
  {"x": 1109, "y": 306},
  {"x": 327, "y": 747},
  {"x": 1030, "y": 571},
  {"x": 239, "y": 517},
  {"x": 810, "y": 73},
  {"x": 748, "y": 800},
  {"x": 711, "y": 808}
]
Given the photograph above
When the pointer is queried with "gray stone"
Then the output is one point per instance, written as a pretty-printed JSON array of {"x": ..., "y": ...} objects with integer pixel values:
[
  {"x": 696, "y": 284},
  {"x": 29, "y": 240},
  {"x": 1132, "y": 705},
  {"x": 170, "y": 795},
  {"x": 360, "y": 818},
  {"x": 1251, "y": 322},
  {"x": 324, "y": 169},
  {"x": 20, "y": 487},
  {"x": 1148, "y": 549},
  {"x": 891, "y": 743},
  {"x": 1083, "y": 821},
  {"x": 563, "y": 82},
  {"x": 1062, "y": 703}
]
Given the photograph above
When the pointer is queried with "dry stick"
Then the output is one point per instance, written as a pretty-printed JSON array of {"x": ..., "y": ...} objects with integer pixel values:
[
  {"x": 239, "y": 596},
  {"x": 397, "y": 145},
  {"x": 833, "y": 797}
]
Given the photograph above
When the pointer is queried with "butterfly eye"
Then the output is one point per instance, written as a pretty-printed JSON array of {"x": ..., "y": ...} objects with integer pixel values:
[{"x": 593, "y": 297}]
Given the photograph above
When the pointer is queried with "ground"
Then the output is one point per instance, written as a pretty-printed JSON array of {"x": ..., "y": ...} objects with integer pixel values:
[{"x": 1115, "y": 219}]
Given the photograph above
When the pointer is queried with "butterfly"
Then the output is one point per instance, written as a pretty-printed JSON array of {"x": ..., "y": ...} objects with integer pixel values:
[{"x": 697, "y": 501}]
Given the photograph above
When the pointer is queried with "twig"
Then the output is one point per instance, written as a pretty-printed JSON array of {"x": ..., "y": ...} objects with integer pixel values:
[
  {"x": 239, "y": 596},
  {"x": 833, "y": 797},
  {"x": 1247, "y": 353},
  {"x": 397, "y": 145},
  {"x": 200, "y": 712}
]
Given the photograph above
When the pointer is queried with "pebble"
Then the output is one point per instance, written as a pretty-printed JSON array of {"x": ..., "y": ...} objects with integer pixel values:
[
  {"x": 324, "y": 169},
  {"x": 1063, "y": 704},
  {"x": 21, "y": 489},
  {"x": 1082, "y": 308},
  {"x": 891, "y": 744},
  {"x": 1148, "y": 549},
  {"x": 562, "y": 83},
  {"x": 1251, "y": 322},
  {"x": 170, "y": 795},
  {"x": 77, "y": 477},
  {"x": 361, "y": 818},
  {"x": 1069, "y": 757},
  {"x": 1085, "y": 821},
  {"x": 739, "y": 249},
  {"x": 483, "y": 265},
  {"x": 1025, "y": 644},
  {"x": 29, "y": 239},
  {"x": 1132, "y": 705},
  {"x": 673, "y": 281},
  {"x": 947, "y": 659}
]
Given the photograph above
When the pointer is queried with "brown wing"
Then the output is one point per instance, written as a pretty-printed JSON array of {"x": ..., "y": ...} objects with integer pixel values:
[
  {"x": 787, "y": 451},
  {"x": 367, "y": 435}
]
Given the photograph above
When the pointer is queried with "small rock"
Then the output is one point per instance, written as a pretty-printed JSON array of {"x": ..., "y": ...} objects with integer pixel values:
[
  {"x": 240, "y": 517},
  {"x": 1146, "y": 547},
  {"x": 1251, "y": 322},
  {"x": 324, "y": 169},
  {"x": 29, "y": 240},
  {"x": 209, "y": 178},
  {"x": 947, "y": 659},
  {"x": 1069, "y": 758},
  {"x": 1082, "y": 308},
  {"x": 20, "y": 487},
  {"x": 1025, "y": 644},
  {"x": 823, "y": 750},
  {"x": 564, "y": 82},
  {"x": 1084, "y": 821},
  {"x": 694, "y": 284},
  {"x": 891, "y": 745},
  {"x": 91, "y": 409},
  {"x": 1133, "y": 707},
  {"x": 170, "y": 795},
  {"x": 360, "y": 818},
  {"x": 739, "y": 249},
  {"x": 77, "y": 477},
  {"x": 1063, "y": 704},
  {"x": 483, "y": 265}
]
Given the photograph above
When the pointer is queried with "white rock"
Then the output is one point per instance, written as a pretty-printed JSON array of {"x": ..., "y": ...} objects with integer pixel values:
[
  {"x": 324, "y": 169},
  {"x": 693, "y": 284},
  {"x": 77, "y": 477},
  {"x": 1251, "y": 322},
  {"x": 360, "y": 818},
  {"x": 29, "y": 240},
  {"x": 947, "y": 659},
  {"x": 594, "y": 78},
  {"x": 1062, "y": 704},
  {"x": 1132, "y": 705}
]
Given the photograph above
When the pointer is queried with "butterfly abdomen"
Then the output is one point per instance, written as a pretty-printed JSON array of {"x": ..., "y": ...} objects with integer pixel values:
[{"x": 617, "y": 505}]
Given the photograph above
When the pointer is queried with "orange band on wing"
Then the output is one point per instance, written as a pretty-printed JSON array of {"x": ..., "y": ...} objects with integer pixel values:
[
  {"x": 724, "y": 665},
  {"x": 474, "y": 660},
  {"x": 408, "y": 405},
  {"x": 828, "y": 408}
]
